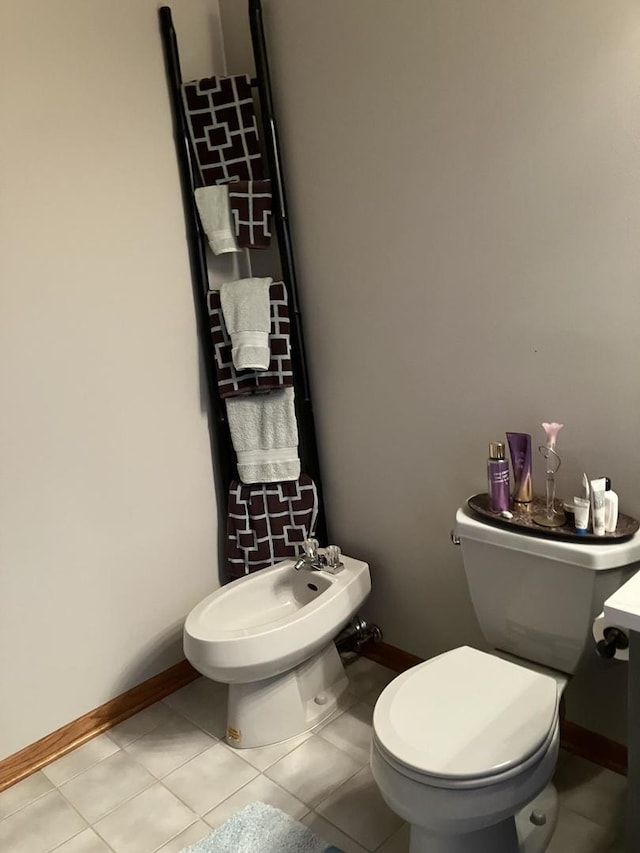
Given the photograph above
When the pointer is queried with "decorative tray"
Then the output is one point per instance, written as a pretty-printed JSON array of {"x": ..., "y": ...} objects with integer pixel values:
[{"x": 523, "y": 522}]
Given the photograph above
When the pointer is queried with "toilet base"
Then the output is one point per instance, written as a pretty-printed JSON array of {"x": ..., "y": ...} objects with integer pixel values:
[
  {"x": 265, "y": 712},
  {"x": 519, "y": 835}
]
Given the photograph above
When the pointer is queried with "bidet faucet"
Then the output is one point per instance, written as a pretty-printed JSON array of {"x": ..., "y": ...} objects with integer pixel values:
[{"x": 312, "y": 559}]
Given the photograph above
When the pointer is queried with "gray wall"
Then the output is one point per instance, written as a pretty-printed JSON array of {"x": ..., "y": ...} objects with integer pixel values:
[
  {"x": 108, "y": 520},
  {"x": 464, "y": 184}
]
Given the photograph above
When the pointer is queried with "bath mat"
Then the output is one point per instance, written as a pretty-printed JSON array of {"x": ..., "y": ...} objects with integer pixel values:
[{"x": 259, "y": 828}]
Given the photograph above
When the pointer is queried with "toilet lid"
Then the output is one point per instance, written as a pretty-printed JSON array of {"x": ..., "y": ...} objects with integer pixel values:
[{"x": 465, "y": 715}]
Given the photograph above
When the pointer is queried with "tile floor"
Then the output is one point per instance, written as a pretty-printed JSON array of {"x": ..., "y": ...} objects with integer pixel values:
[{"x": 161, "y": 780}]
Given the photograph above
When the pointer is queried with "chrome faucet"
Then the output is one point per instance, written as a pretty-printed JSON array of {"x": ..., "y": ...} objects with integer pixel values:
[{"x": 328, "y": 561}]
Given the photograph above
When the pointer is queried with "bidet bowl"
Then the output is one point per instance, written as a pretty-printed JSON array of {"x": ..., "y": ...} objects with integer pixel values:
[{"x": 272, "y": 620}]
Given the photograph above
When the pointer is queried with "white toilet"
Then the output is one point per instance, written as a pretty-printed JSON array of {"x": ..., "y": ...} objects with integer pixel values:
[
  {"x": 270, "y": 635},
  {"x": 465, "y": 744}
]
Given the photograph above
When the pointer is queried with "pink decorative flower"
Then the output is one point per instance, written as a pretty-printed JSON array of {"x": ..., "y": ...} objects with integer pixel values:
[{"x": 551, "y": 431}]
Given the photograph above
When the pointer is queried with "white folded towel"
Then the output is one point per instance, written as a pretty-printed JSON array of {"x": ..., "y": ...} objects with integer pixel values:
[
  {"x": 245, "y": 308},
  {"x": 215, "y": 215},
  {"x": 264, "y": 433}
]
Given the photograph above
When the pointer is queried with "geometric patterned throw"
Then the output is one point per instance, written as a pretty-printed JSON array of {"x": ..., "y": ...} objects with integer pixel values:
[
  {"x": 222, "y": 124},
  {"x": 251, "y": 207},
  {"x": 236, "y": 383},
  {"x": 267, "y": 522}
]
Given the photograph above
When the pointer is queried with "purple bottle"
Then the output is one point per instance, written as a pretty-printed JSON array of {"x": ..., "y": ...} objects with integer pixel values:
[{"x": 498, "y": 478}]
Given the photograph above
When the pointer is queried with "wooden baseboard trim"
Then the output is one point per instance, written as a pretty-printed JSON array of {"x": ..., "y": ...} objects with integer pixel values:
[
  {"x": 25, "y": 762},
  {"x": 390, "y": 656},
  {"x": 594, "y": 747},
  {"x": 590, "y": 745}
]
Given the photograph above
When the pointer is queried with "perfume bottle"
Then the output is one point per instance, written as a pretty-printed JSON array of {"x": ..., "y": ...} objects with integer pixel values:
[{"x": 498, "y": 478}]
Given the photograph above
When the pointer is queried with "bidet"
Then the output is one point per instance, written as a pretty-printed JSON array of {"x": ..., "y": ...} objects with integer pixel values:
[{"x": 270, "y": 636}]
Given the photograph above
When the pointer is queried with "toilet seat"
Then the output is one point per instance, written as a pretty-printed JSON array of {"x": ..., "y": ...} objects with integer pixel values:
[{"x": 466, "y": 719}]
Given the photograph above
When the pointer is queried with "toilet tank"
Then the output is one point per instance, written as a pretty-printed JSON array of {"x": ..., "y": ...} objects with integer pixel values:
[{"x": 537, "y": 597}]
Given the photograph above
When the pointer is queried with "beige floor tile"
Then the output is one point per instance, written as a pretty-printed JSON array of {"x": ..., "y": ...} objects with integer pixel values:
[
  {"x": 80, "y": 759},
  {"x": 141, "y": 723},
  {"x": 194, "y": 833},
  {"x": 204, "y": 702},
  {"x": 366, "y": 677},
  {"x": 23, "y": 793},
  {"x": 592, "y": 791},
  {"x": 209, "y": 778},
  {"x": 351, "y": 731},
  {"x": 398, "y": 843},
  {"x": 331, "y": 834},
  {"x": 261, "y": 790},
  {"x": 357, "y": 808},
  {"x": 168, "y": 746},
  {"x": 313, "y": 770},
  {"x": 575, "y": 834},
  {"x": 106, "y": 785},
  {"x": 85, "y": 842},
  {"x": 146, "y": 822},
  {"x": 40, "y": 826}
]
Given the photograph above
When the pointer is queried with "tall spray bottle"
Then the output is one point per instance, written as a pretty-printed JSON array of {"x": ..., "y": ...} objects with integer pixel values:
[{"x": 498, "y": 478}]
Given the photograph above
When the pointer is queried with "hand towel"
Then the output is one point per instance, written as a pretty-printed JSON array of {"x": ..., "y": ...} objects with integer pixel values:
[
  {"x": 268, "y": 522},
  {"x": 215, "y": 215},
  {"x": 222, "y": 125},
  {"x": 251, "y": 208},
  {"x": 233, "y": 383},
  {"x": 264, "y": 433},
  {"x": 245, "y": 307}
]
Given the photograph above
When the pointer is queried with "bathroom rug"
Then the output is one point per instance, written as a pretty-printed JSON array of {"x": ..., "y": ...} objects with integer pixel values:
[{"x": 259, "y": 828}]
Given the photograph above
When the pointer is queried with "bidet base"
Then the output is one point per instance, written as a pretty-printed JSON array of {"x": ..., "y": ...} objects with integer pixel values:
[{"x": 265, "y": 712}]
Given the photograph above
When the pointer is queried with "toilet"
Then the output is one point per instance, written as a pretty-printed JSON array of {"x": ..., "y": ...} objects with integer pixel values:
[
  {"x": 465, "y": 744},
  {"x": 269, "y": 636}
]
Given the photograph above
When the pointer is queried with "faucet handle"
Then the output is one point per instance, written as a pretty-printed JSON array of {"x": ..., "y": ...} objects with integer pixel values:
[
  {"x": 333, "y": 555},
  {"x": 310, "y": 548}
]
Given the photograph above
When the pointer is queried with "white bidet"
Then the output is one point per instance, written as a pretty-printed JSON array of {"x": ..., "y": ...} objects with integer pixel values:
[{"x": 270, "y": 636}]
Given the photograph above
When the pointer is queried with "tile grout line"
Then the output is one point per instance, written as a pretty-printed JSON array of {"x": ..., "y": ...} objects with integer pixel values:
[
  {"x": 88, "y": 767},
  {"x": 184, "y": 829},
  {"x": 316, "y": 730},
  {"x": 84, "y": 820},
  {"x": 31, "y": 802}
]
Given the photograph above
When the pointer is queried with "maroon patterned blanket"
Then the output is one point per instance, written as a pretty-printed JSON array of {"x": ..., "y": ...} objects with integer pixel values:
[
  {"x": 251, "y": 209},
  {"x": 267, "y": 522},
  {"x": 222, "y": 125},
  {"x": 234, "y": 383}
]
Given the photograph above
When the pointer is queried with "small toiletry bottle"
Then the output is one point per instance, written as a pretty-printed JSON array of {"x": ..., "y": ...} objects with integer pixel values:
[
  {"x": 610, "y": 508},
  {"x": 498, "y": 478}
]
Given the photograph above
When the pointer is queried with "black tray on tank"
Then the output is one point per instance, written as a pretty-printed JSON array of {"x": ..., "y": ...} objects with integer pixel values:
[{"x": 523, "y": 522}]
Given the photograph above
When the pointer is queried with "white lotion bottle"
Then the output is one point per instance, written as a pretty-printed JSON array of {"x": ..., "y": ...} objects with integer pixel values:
[{"x": 610, "y": 508}]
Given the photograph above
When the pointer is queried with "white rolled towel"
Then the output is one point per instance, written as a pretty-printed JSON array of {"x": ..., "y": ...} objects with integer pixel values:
[
  {"x": 245, "y": 308},
  {"x": 264, "y": 433},
  {"x": 215, "y": 215}
]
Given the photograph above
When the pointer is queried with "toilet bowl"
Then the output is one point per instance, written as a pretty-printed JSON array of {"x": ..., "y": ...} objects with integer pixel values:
[
  {"x": 465, "y": 745},
  {"x": 269, "y": 635},
  {"x": 461, "y": 744}
]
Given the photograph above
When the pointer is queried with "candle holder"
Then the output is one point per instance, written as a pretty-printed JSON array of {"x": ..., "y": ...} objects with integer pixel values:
[{"x": 551, "y": 517}]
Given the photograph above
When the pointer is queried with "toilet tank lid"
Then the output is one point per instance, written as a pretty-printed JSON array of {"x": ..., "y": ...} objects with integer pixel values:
[
  {"x": 465, "y": 715},
  {"x": 613, "y": 555}
]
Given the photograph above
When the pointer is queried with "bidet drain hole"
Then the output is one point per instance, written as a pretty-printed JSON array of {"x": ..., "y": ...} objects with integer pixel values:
[{"x": 312, "y": 586}]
